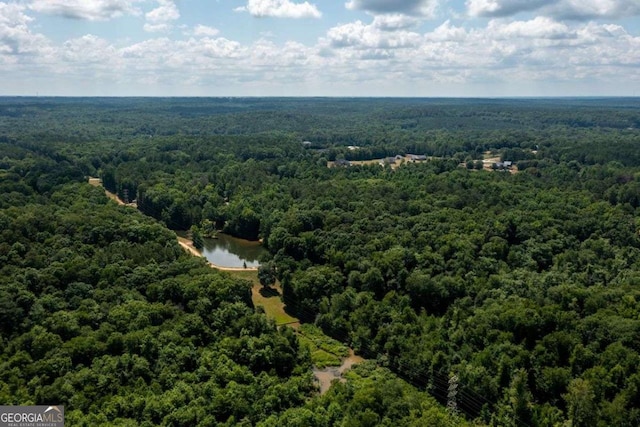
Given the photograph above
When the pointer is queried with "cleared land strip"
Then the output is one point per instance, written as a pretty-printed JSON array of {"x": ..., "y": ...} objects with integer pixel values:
[{"x": 97, "y": 182}]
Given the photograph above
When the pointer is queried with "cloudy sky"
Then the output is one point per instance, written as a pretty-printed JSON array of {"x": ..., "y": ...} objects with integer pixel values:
[{"x": 320, "y": 47}]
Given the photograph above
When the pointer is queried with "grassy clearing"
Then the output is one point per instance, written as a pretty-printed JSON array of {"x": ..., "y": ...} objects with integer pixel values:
[
  {"x": 270, "y": 300},
  {"x": 325, "y": 351},
  {"x": 250, "y": 275},
  {"x": 320, "y": 358},
  {"x": 272, "y": 304}
]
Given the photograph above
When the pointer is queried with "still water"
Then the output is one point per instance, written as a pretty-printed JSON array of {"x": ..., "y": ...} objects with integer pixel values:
[{"x": 227, "y": 251}]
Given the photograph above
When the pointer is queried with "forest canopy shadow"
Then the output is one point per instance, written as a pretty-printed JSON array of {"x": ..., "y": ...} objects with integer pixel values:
[{"x": 269, "y": 292}]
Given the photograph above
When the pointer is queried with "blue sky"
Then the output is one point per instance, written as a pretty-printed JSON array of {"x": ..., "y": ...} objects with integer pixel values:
[{"x": 320, "y": 48}]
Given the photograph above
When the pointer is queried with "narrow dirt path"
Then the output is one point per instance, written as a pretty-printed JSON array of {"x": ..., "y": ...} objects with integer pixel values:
[
  {"x": 184, "y": 242},
  {"x": 97, "y": 182}
]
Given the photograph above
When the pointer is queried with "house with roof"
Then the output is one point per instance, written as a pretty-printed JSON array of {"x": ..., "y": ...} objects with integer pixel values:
[
  {"x": 505, "y": 165},
  {"x": 341, "y": 163},
  {"x": 417, "y": 157},
  {"x": 388, "y": 161}
]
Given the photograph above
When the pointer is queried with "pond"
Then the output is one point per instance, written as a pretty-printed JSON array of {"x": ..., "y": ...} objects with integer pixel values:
[{"x": 227, "y": 251}]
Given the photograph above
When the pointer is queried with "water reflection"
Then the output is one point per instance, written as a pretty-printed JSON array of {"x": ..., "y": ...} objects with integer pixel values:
[{"x": 227, "y": 251}]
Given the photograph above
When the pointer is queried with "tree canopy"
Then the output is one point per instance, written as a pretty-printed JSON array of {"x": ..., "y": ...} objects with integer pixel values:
[{"x": 522, "y": 280}]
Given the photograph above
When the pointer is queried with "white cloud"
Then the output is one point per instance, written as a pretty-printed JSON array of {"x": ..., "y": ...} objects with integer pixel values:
[
  {"x": 590, "y": 9},
  {"x": 205, "y": 31},
  {"x": 174, "y": 56},
  {"x": 280, "y": 9},
  {"x": 379, "y": 57},
  {"x": 538, "y": 28},
  {"x": 361, "y": 36},
  {"x": 503, "y": 7},
  {"x": 447, "y": 33},
  {"x": 560, "y": 9},
  {"x": 16, "y": 39},
  {"x": 394, "y": 22},
  {"x": 91, "y": 10},
  {"x": 213, "y": 48},
  {"x": 539, "y": 51},
  {"x": 425, "y": 8},
  {"x": 161, "y": 18},
  {"x": 89, "y": 56}
]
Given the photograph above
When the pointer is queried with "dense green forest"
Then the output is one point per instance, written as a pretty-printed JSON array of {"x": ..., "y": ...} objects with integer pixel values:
[
  {"x": 522, "y": 284},
  {"x": 102, "y": 311}
]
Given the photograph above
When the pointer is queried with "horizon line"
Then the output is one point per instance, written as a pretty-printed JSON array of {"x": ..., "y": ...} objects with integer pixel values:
[{"x": 324, "y": 97}]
